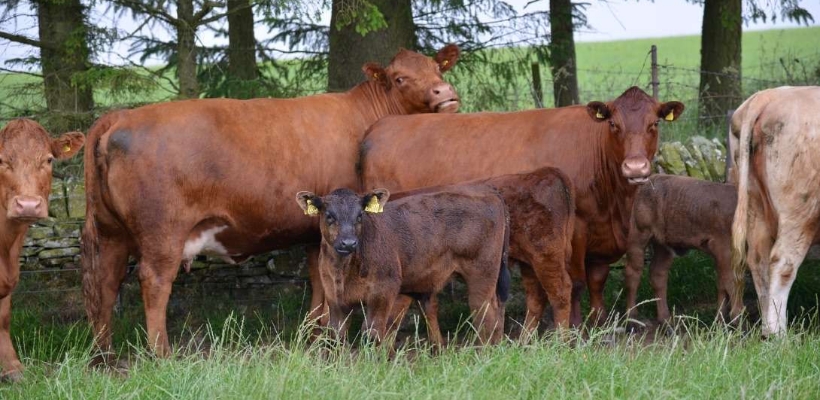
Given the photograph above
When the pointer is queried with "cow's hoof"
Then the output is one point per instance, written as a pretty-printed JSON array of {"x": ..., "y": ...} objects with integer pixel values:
[{"x": 11, "y": 376}]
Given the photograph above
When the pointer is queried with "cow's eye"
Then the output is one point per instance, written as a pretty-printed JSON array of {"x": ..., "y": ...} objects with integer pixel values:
[
  {"x": 612, "y": 124},
  {"x": 359, "y": 219},
  {"x": 329, "y": 219},
  {"x": 656, "y": 123},
  {"x": 400, "y": 80},
  {"x": 49, "y": 160}
]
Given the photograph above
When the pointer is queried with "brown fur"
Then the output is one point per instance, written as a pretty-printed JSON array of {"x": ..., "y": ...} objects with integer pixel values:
[
  {"x": 26, "y": 155},
  {"x": 412, "y": 249},
  {"x": 163, "y": 175},
  {"x": 675, "y": 214},
  {"x": 600, "y": 156}
]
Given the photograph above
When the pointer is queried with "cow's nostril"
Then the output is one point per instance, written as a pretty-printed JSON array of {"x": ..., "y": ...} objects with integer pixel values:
[{"x": 436, "y": 91}]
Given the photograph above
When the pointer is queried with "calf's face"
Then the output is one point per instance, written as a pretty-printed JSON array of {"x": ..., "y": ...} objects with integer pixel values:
[
  {"x": 26, "y": 156},
  {"x": 340, "y": 215}
]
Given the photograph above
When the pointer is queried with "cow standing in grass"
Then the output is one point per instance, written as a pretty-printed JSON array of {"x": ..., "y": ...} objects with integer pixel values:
[
  {"x": 676, "y": 214},
  {"x": 168, "y": 181},
  {"x": 604, "y": 148},
  {"x": 373, "y": 252},
  {"x": 778, "y": 204},
  {"x": 26, "y": 156}
]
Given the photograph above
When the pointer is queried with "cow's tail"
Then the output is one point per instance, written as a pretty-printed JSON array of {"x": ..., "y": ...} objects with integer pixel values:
[
  {"x": 747, "y": 116},
  {"x": 94, "y": 175},
  {"x": 502, "y": 286},
  {"x": 569, "y": 226}
]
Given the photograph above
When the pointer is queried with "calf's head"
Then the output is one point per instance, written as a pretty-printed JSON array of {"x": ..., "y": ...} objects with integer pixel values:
[
  {"x": 633, "y": 120},
  {"x": 415, "y": 81},
  {"x": 26, "y": 156},
  {"x": 340, "y": 215}
]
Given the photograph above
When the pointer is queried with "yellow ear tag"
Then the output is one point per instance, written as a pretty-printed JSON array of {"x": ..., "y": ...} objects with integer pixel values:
[
  {"x": 374, "y": 206},
  {"x": 599, "y": 115},
  {"x": 445, "y": 62},
  {"x": 311, "y": 209},
  {"x": 375, "y": 76},
  {"x": 66, "y": 148},
  {"x": 670, "y": 116}
]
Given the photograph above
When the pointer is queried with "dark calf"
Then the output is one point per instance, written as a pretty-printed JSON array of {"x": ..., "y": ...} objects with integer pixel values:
[
  {"x": 26, "y": 156},
  {"x": 675, "y": 214},
  {"x": 411, "y": 250}
]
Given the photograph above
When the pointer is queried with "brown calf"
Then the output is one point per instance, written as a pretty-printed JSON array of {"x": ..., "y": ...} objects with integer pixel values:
[
  {"x": 26, "y": 156},
  {"x": 412, "y": 249},
  {"x": 676, "y": 214}
]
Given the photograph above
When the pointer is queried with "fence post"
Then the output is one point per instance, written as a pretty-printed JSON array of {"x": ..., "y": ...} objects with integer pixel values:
[
  {"x": 729, "y": 159},
  {"x": 654, "y": 83},
  {"x": 537, "y": 90}
]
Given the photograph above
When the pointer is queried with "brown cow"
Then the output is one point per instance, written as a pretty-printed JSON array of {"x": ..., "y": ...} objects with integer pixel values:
[
  {"x": 604, "y": 148},
  {"x": 412, "y": 249},
  {"x": 168, "y": 181},
  {"x": 778, "y": 203},
  {"x": 676, "y": 214},
  {"x": 541, "y": 206},
  {"x": 26, "y": 156}
]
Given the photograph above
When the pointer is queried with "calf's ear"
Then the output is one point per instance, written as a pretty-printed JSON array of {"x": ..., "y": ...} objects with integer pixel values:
[
  {"x": 374, "y": 201},
  {"x": 670, "y": 110},
  {"x": 309, "y": 202},
  {"x": 447, "y": 57},
  {"x": 376, "y": 73},
  {"x": 67, "y": 145},
  {"x": 598, "y": 111}
]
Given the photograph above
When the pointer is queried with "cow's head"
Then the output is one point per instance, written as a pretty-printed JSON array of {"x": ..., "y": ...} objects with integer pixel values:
[
  {"x": 633, "y": 120},
  {"x": 415, "y": 80},
  {"x": 340, "y": 214},
  {"x": 26, "y": 156}
]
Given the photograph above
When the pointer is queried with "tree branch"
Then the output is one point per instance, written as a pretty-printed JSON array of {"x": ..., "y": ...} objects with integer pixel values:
[{"x": 26, "y": 40}]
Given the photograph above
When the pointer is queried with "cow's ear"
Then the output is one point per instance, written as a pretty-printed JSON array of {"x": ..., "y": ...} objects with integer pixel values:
[
  {"x": 309, "y": 202},
  {"x": 598, "y": 111},
  {"x": 670, "y": 110},
  {"x": 447, "y": 57},
  {"x": 67, "y": 145},
  {"x": 376, "y": 73},
  {"x": 374, "y": 201}
]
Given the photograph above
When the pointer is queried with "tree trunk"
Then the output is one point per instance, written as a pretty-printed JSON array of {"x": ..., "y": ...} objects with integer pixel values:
[
  {"x": 562, "y": 54},
  {"x": 64, "y": 54},
  {"x": 349, "y": 50},
  {"x": 186, "y": 50},
  {"x": 720, "y": 85},
  {"x": 241, "y": 48}
]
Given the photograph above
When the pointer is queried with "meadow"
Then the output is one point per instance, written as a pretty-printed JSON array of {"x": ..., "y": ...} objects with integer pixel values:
[{"x": 225, "y": 350}]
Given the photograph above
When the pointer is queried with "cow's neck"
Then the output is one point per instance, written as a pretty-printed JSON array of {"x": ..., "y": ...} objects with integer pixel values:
[
  {"x": 614, "y": 190},
  {"x": 373, "y": 102}
]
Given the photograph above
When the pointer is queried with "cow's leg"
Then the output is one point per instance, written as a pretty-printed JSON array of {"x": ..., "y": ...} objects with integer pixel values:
[
  {"x": 484, "y": 305},
  {"x": 12, "y": 369},
  {"x": 157, "y": 272},
  {"x": 659, "y": 278},
  {"x": 319, "y": 313},
  {"x": 725, "y": 280},
  {"x": 577, "y": 271},
  {"x": 787, "y": 254},
  {"x": 536, "y": 299},
  {"x": 551, "y": 270},
  {"x": 430, "y": 308},
  {"x": 597, "y": 274},
  {"x": 633, "y": 269},
  {"x": 376, "y": 316},
  {"x": 759, "y": 250},
  {"x": 400, "y": 307},
  {"x": 100, "y": 288}
]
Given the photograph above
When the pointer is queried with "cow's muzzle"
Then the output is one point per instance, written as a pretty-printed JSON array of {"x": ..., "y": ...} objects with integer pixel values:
[
  {"x": 346, "y": 247},
  {"x": 27, "y": 208},
  {"x": 443, "y": 98},
  {"x": 636, "y": 170}
]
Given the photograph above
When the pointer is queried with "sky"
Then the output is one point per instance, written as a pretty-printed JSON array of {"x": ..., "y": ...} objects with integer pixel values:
[{"x": 609, "y": 20}]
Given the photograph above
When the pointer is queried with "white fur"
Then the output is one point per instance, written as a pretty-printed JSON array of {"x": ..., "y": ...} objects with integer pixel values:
[{"x": 206, "y": 243}]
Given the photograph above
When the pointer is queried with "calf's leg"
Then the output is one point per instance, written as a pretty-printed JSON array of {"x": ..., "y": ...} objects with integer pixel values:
[
  {"x": 577, "y": 271},
  {"x": 597, "y": 274},
  {"x": 636, "y": 249},
  {"x": 552, "y": 273},
  {"x": 536, "y": 299},
  {"x": 484, "y": 305},
  {"x": 659, "y": 278},
  {"x": 430, "y": 309},
  {"x": 319, "y": 312}
]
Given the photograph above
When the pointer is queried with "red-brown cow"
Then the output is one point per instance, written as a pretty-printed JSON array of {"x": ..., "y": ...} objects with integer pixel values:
[
  {"x": 26, "y": 156},
  {"x": 604, "y": 148},
  {"x": 168, "y": 181}
]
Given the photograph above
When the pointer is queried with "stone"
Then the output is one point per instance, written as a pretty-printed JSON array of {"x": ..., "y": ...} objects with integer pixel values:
[
  {"x": 671, "y": 157},
  {"x": 76, "y": 198},
  {"x": 68, "y": 229},
  {"x": 40, "y": 232},
  {"x": 53, "y": 262},
  {"x": 60, "y": 253},
  {"x": 58, "y": 242},
  {"x": 697, "y": 162},
  {"x": 57, "y": 206},
  {"x": 713, "y": 155}
]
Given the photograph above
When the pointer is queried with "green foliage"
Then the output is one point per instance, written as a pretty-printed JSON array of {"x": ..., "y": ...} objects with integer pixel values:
[{"x": 365, "y": 16}]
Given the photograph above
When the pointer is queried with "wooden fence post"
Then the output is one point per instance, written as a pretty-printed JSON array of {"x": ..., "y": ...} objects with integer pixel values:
[
  {"x": 655, "y": 83},
  {"x": 537, "y": 90},
  {"x": 729, "y": 159}
]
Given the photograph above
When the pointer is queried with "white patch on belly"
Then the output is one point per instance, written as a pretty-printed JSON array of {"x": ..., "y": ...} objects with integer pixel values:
[{"x": 206, "y": 243}]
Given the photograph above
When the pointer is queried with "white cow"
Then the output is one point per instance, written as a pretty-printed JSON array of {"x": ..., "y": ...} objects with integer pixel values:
[{"x": 778, "y": 207}]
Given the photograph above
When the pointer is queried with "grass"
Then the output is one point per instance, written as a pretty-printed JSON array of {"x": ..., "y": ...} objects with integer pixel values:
[{"x": 697, "y": 363}]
